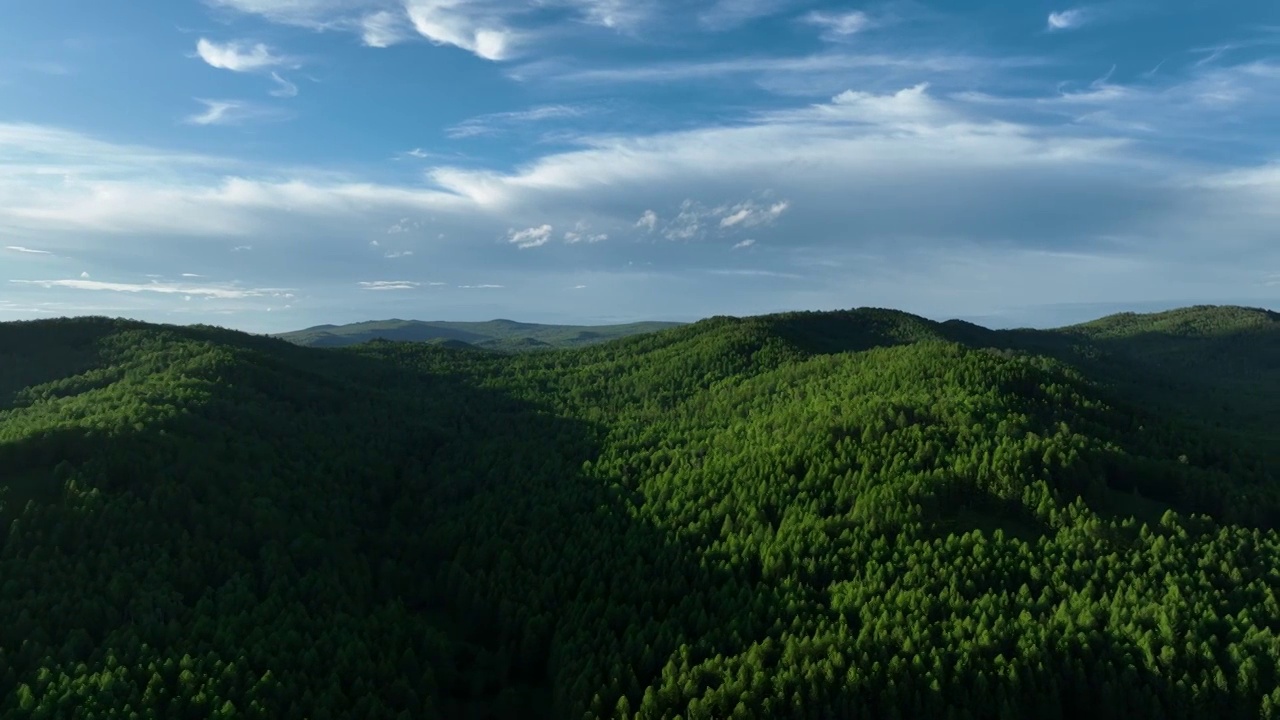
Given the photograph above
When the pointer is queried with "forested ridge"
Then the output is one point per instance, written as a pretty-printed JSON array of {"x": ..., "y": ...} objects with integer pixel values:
[
  {"x": 499, "y": 335},
  {"x": 857, "y": 514}
]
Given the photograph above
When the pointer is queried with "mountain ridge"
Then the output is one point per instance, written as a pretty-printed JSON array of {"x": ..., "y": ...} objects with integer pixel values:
[
  {"x": 499, "y": 334},
  {"x": 847, "y": 514}
]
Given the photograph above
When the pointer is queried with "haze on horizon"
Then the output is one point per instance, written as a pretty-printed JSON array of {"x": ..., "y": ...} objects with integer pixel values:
[{"x": 276, "y": 164}]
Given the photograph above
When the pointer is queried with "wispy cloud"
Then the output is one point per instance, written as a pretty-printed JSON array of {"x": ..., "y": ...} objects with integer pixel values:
[
  {"x": 382, "y": 29},
  {"x": 744, "y": 244},
  {"x": 530, "y": 237},
  {"x": 838, "y": 25},
  {"x": 490, "y": 29},
  {"x": 497, "y": 122},
  {"x": 482, "y": 287},
  {"x": 728, "y": 14},
  {"x": 830, "y": 62},
  {"x": 581, "y": 232},
  {"x": 750, "y": 214},
  {"x": 22, "y": 249},
  {"x": 231, "y": 112},
  {"x": 238, "y": 56},
  {"x": 388, "y": 285},
  {"x": 755, "y": 273},
  {"x": 394, "y": 254},
  {"x": 403, "y": 225},
  {"x": 696, "y": 220},
  {"x": 622, "y": 15},
  {"x": 217, "y": 112},
  {"x": 284, "y": 88},
  {"x": 227, "y": 291},
  {"x": 648, "y": 221},
  {"x": 1069, "y": 19}
]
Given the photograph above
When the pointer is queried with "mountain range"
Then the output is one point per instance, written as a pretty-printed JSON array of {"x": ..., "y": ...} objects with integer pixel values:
[
  {"x": 847, "y": 514},
  {"x": 502, "y": 335}
]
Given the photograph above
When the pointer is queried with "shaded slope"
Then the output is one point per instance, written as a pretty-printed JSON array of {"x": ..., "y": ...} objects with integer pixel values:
[
  {"x": 1221, "y": 364},
  {"x": 294, "y": 533}
]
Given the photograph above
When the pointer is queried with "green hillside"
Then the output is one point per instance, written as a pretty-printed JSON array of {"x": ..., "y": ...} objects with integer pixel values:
[
  {"x": 502, "y": 335},
  {"x": 812, "y": 515}
]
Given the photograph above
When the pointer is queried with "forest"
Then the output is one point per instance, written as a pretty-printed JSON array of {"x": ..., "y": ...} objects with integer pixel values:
[{"x": 853, "y": 514}]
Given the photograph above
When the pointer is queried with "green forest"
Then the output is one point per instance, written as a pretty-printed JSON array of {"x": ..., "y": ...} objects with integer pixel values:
[{"x": 854, "y": 514}]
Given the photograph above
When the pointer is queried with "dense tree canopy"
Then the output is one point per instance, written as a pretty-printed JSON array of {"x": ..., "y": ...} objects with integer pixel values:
[{"x": 818, "y": 515}]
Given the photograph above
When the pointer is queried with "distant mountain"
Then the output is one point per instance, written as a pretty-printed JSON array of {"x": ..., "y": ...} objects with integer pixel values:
[{"x": 502, "y": 335}]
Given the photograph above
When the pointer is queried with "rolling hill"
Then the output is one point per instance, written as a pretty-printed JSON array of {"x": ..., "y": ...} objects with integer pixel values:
[
  {"x": 502, "y": 335},
  {"x": 839, "y": 515}
]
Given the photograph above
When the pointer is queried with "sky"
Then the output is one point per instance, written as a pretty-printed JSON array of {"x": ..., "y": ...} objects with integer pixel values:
[{"x": 270, "y": 165}]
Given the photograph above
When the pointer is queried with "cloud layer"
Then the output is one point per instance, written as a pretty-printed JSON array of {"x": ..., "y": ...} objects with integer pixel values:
[{"x": 630, "y": 157}]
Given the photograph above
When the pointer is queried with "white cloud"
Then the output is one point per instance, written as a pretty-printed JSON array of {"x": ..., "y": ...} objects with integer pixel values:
[
  {"x": 840, "y": 64},
  {"x": 238, "y": 56},
  {"x": 242, "y": 248},
  {"x": 84, "y": 275},
  {"x": 191, "y": 275},
  {"x": 481, "y": 287},
  {"x": 579, "y": 287},
  {"x": 315, "y": 14},
  {"x": 687, "y": 223},
  {"x": 1068, "y": 19},
  {"x": 497, "y": 122},
  {"x": 755, "y": 273},
  {"x": 403, "y": 225},
  {"x": 530, "y": 237},
  {"x": 462, "y": 24},
  {"x": 576, "y": 236},
  {"x": 838, "y": 24},
  {"x": 744, "y": 244},
  {"x": 1191, "y": 110},
  {"x": 398, "y": 254},
  {"x": 750, "y": 214},
  {"x": 484, "y": 27},
  {"x": 616, "y": 14},
  {"x": 284, "y": 88},
  {"x": 879, "y": 174},
  {"x": 230, "y": 291},
  {"x": 388, "y": 285},
  {"x": 230, "y": 112},
  {"x": 216, "y": 112},
  {"x": 31, "y": 251},
  {"x": 473, "y": 25},
  {"x": 382, "y": 29}
]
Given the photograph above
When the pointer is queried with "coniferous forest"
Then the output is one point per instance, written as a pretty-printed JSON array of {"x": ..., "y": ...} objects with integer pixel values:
[{"x": 857, "y": 514}]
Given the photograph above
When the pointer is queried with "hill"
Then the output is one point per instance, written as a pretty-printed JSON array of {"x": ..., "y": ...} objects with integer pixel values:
[
  {"x": 850, "y": 514},
  {"x": 503, "y": 335}
]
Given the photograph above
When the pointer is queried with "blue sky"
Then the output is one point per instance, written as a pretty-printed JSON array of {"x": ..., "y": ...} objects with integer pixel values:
[{"x": 274, "y": 164}]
